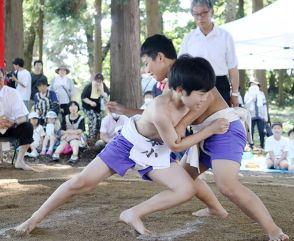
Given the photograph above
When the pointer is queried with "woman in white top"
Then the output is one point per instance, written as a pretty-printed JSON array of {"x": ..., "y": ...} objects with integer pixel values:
[{"x": 64, "y": 88}]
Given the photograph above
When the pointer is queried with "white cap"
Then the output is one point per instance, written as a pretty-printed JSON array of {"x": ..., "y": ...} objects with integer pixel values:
[
  {"x": 33, "y": 115},
  {"x": 51, "y": 114}
]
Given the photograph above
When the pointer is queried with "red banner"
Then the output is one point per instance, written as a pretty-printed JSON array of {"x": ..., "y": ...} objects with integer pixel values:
[{"x": 2, "y": 34}]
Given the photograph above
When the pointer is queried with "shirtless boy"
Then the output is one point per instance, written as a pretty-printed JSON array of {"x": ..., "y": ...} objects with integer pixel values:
[
  {"x": 222, "y": 153},
  {"x": 144, "y": 143}
]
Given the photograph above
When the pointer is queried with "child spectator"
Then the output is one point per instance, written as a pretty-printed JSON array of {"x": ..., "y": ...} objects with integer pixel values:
[
  {"x": 148, "y": 98},
  {"x": 72, "y": 133},
  {"x": 45, "y": 100},
  {"x": 38, "y": 135},
  {"x": 277, "y": 147},
  {"x": 291, "y": 150},
  {"x": 52, "y": 130},
  {"x": 109, "y": 128}
]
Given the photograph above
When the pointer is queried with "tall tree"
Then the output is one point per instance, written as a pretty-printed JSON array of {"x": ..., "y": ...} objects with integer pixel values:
[
  {"x": 14, "y": 42},
  {"x": 98, "y": 38},
  {"x": 41, "y": 28},
  {"x": 125, "y": 54},
  {"x": 231, "y": 10},
  {"x": 154, "y": 19},
  {"x": 260, "y": 74}
]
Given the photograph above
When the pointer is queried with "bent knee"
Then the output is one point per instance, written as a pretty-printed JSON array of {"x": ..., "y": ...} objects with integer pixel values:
[
  {"x": 187, "y": 192},
  {"x": 228, "y": 190}
]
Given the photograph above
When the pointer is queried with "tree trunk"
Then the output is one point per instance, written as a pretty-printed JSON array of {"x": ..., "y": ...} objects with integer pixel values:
[
  {"x": 30, "y": 38},
  {"x": 242, "y": 72},
  {"x": 41, "y": 29},
  {"x": 89, "y": 28},
  {"x": 257, "y": 5},
  {"x": 125, "y": 53},
  {"x": 260, "y": 74},
  {"x": 282, "y": 75},
  {"x": 98, "y": 38},
  {"x": 154, "y": 23},
  {"x": 231, "y": 10},
  {"x": 14, "y": 42}
]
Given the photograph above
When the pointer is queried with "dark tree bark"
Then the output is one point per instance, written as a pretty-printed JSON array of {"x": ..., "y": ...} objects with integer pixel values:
[
  {"x": 14, "y": 41},
  {"x": 154, "y": 23},
  {"x": 125, "y": 54},
  {"x": 98, "y": 38}
]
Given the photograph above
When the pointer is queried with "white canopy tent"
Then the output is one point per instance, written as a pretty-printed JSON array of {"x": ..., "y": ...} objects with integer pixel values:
[{"x": 265, "y": 39}]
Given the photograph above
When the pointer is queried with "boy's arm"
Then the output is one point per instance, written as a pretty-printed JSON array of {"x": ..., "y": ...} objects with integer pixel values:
[
  {"x": 122, "y": 110},
  {"x": 189, "y": 118},
  {"x": 169, "y": 136}
]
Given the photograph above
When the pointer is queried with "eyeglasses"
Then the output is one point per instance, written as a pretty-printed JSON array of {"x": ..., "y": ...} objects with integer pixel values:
[{"x": 200, "y": 15}]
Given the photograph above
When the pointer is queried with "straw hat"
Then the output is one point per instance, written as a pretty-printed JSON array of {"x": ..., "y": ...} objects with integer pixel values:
[{"x": 62, "y": 67}]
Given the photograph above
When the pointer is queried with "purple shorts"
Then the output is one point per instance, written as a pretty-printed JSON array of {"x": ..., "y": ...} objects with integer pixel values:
[
  {"x": 116, "y": 156},
  {"x": 228, "y": 146}
]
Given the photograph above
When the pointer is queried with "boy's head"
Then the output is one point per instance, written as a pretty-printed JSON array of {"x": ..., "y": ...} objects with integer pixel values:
[
  {"x": 158, "y": 53},
  {"x": 38, "y": 65},
  {"x": 42, "y": 85},
  {"x": 18, "y": 63},
  {"x": 291, "y": 134},
  {"x": 148, "y": 97},
  {"x": 192, "y": 78},
  {"x": 277, "y": 129}
]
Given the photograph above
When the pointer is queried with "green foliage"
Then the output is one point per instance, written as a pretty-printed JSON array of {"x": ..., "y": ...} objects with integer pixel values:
[{"x": 65, "y": 9}]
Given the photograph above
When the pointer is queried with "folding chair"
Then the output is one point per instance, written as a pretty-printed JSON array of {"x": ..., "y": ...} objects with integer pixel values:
[{"x": 13, "y": 142}]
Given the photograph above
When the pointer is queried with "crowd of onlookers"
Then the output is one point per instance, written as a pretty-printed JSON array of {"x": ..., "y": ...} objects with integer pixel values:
[
  {"x": 59, "y": 127},
  {"x": 58, "y": 123}
]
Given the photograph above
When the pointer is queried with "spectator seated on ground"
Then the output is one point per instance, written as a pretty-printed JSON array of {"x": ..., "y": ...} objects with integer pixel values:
[
  {"x": 109, "y": 127},
  {"x": 45, "y": 100},
  {"x": 13, "y": 122},
  {"x": 72, "y": 133},
  {"x": 277, "y": 148},
  {"x": 38, "y": 135},
  {"x": 291, "y": 150}
]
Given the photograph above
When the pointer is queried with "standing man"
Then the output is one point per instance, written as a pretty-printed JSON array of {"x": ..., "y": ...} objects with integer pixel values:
[
  {"x": 217, "y": 46},
  {"x": 23, "y": 81},
  {"x": 13, "y": 121},
  {"x": 36, "y": 75}
]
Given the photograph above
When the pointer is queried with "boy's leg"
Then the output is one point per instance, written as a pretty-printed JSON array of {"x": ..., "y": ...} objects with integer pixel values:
[
  {"x": 269, "y": 163},
  {"x": 180, "y": 189},
  {"x": 284, "y": 165},
  {"x": 226, "y": 178},
  {"x": 206, "y": 195},
  {"x": 94, "y": 173}
]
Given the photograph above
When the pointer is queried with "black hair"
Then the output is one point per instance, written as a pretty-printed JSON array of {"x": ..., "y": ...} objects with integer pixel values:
[
  {"x": 277, "y": 124},
  {"x": 18, "y": 61},
  {"x": 158, "y": 43},
  {"x": 191, "y": 74},
  {"x": 75, "y": 103},
  {"x": 208, "y": 3},
  {"x": 291, "y": 131},
  {"x": 38, "y": 61},
  {"x": 99, "y": 76}
]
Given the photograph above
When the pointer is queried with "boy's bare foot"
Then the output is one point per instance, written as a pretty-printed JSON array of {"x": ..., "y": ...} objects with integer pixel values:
[
  {"x": 279, "y": 236},
  {"x": 206, "y": 212},
  {"x": 23, "y": 166},
  {"x": 130, "y": 218},
  {"x": 26, "y": 227}
]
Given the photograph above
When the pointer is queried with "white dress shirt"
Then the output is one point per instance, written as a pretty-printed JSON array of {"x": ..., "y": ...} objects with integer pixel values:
[{"x": 217, "y": 47}]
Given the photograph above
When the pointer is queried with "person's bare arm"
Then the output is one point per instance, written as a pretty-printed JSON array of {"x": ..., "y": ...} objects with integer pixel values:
[
  {"x": 122, "y": 110},
  {"x": 104, "y": 137},
  {"x": 283, "y": 156},
  {"x": 170, "y": 137},
  {"x": 234, "y": 78}
]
